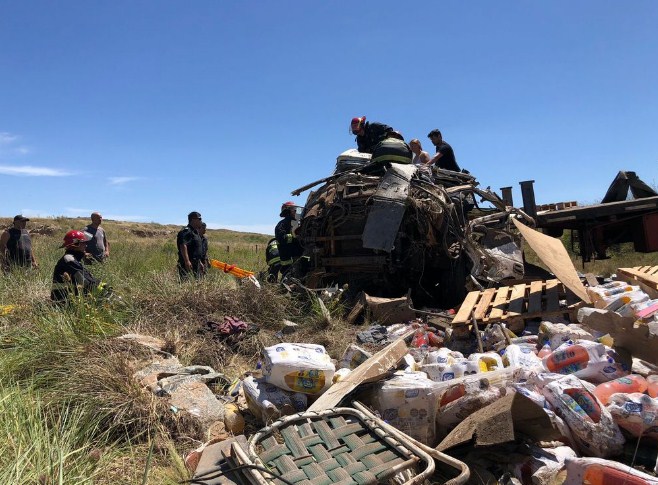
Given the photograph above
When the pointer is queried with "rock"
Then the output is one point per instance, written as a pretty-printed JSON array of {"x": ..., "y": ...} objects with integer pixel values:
[
  {"x": 149, "y": 376},
  {"x": 145, "y": 340},
  {"x": 195, "y": 398},
  {"x": 289, "y": 327}
]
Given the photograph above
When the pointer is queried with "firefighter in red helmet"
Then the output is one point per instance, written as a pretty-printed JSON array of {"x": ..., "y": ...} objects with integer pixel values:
[
  {"x": 70, "y": 277},
  {"x": 289, "y": 247},
  {"x": 369, "y": 134}
]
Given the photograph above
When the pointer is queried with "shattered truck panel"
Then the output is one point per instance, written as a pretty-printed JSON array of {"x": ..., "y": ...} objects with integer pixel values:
[{"x": 389, "y": 229}]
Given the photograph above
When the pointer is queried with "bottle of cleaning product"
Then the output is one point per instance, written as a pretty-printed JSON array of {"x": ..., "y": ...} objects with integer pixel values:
[
  {"x": 568, "y": 360},
  {"x": 626, "y": 385},
  {"x": 585, "y": 401}
]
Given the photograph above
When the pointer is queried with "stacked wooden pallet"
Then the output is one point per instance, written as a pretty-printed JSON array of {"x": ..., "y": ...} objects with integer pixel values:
[
  {"x": 518, "y": 303},
  {"x": 643, "y": 274},
  {"x": 557, "y": 206}
]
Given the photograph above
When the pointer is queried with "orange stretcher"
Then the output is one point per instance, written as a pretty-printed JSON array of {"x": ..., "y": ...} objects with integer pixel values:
[{"x": 231, "y": 269}]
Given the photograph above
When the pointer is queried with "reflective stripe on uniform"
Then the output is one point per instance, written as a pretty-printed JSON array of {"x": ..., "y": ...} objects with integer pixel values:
[{"x": 286, "y": 262}]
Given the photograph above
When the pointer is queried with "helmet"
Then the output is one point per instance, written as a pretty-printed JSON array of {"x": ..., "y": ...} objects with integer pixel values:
[
  {"x": 357, "y": 124},
  {"x": 286, "y": 206},
  {"x": 75, "y": 237}
]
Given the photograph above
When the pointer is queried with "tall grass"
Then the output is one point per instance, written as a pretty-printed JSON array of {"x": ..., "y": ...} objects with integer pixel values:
[{"x": 66, "y": 385}]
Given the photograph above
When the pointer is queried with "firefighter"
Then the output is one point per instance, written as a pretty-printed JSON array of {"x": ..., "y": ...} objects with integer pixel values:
[
  {"x": 289, "y": 247},
  {"x": 70, "y": 276},
  {"x": 369, "y": 135},
  {"x": 273, "y": 260}
]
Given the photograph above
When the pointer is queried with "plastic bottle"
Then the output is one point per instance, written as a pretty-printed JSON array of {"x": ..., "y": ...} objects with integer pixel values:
[
  {"x": 488, "y": 361},
  {"x": 604, "y": 475},
  {"x": 568, "y": 360},
  {"x": 652, "y": 385},
  {"x": 420, "y": 339},
  {"x": 626, "y": 385},
  {"x": 585, "y": 401},
  {"x": 545, "y": 350},
  {"x": 452, "y": 394}
]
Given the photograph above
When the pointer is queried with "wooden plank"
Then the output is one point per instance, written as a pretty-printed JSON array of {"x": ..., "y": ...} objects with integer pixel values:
[
  {"x": 371, "y": 370},
  {"x": 552, "y": 296},
  {"x": 647, "y": 279},
  {"x": 653, "y": 270},
  {"x": 466, "y": 308},
  {"x": 483, "y": 305},
  {"x": 591, "y": 279},
  {"x": 499, "y": 306},
  {"x": 534, "y": 297},
  {"x": 516, "y": 302}
]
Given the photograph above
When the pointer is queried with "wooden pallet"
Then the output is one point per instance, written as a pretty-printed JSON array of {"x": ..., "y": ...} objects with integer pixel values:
[
  {"x": 557, "y": 206},
  {"x": 518, "y": 303},
  {"x": 644, "y": 274}
]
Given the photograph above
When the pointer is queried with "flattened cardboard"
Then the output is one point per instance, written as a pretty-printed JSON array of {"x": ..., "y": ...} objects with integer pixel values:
[
  {"x": 499, "y": 422},
  {"x": 387, "y": 311},
  {"x": 371, "y": 370},
  {"x": 553, "y": 254},
  {"x": 641, "y": 342}
]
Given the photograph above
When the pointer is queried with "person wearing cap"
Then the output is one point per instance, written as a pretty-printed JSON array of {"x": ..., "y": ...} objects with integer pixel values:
[
  {"x": 16, "y": 246},
  {"x": 288, "y": 245},
  {"x": 369, "y": 135},
  {"x": 445, "y": 156},
  {"x": 190, "y": 248},
  {"x": 70, "y": 277},
  {"x": 98, "y": 246}
]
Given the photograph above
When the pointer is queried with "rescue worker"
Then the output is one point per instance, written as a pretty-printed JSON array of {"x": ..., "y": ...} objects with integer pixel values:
[
  {"x": 204, "y": 246},
  {"x": 392, "y": 150},
  {"x": 368, "y": 135},
  {"x": 190, "y": 248},
  {"x": 273, "y": 260},
  {"x": 289, "y": 247},
  {"x": 70, "y": 276},
  {"x": 16, "y": 246}
]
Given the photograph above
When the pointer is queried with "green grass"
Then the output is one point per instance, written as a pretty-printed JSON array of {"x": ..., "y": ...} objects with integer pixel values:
[{"x": 67, "y": 397}]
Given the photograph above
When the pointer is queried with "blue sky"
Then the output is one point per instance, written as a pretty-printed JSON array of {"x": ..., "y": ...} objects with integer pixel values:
[{"x": 146, "y": 110}]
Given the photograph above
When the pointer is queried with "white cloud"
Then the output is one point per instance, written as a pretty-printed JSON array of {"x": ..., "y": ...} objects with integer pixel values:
[
  {"x": 121, "y": 180},
  {"x": 31, "y": 171},
  {"x": 7, "y": 138}
]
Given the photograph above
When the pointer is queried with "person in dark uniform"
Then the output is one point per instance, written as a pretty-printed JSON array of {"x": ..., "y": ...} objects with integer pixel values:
[
  {"x": 204, "y": 246},
  {"x": 369, "y": 135},
  {"x": 190, "y": 248},
  {"x": 289, "y": 247},
  {"x": 445, "y": 156},
  {"x": 70, "y": 277},
  {"x": 273, "y": 260},
  {"x": 16, "y": 246}
]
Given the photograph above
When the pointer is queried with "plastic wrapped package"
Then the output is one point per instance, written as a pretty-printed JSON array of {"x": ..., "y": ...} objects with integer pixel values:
[
  {"x": 447, "y": 372},
  {"x": 268, "y": 402},
  {"x": 454, "y": 412},
  {"x": 637, "y": 413},
  {"x": 520, "y": 356},
  {"x": 592, "y": 426},
  {"x": 353, "y": 357},
  {"x": 303, "y": 368},
  {"x": 604, "y": 472},
  {"x": 443, "y": 356},
  {"x": 585, "y": 360},
  {"x": 555, "y": 334},
  {"x": 488, "y": 361},
  {"x": 408, "y": 401},
  {"x": 543, "y": 466}
]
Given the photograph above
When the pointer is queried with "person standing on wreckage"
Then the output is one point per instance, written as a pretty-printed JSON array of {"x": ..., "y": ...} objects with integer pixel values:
[{"x": 383, "y": 142}]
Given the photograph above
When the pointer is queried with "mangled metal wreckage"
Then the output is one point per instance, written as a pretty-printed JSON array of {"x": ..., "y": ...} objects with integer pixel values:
[{"x": 388, "y": 229}]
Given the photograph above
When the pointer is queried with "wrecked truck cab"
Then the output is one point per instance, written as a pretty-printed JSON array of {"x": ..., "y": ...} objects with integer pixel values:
[{"x": 388, "y": 229}]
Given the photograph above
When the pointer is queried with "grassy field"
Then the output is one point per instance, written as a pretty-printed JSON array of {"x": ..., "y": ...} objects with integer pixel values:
[{"x": 71, "y": 411}]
